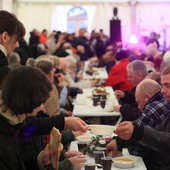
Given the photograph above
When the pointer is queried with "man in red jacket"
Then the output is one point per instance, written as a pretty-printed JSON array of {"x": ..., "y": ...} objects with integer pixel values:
[{"x": 117, "y": 77}]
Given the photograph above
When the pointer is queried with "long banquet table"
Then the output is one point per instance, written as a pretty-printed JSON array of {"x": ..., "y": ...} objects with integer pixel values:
[
  {"x": 83, "y": 106},
  {"x": 102, "y": 73},
  {"x": 139, "y": 164}
]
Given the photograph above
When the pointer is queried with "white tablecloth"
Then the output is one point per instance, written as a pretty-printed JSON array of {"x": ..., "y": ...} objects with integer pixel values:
[
  {"x": 83, "y": 106},
  {"x": 139, "y": 165},
  {"x": 102, "y": 72}
]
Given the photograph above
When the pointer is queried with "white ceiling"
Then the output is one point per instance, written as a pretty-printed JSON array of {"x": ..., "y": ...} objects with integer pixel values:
[{"x": 90, "y": 1}]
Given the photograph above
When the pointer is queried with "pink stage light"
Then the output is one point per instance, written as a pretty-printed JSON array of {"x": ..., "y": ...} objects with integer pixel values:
[{"x": 133, "y": 39}]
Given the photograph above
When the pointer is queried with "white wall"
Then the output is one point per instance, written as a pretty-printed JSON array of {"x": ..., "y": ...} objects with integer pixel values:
[
  {"x": 54, "y": 17},
  {"x": 52, "y": 14},
  {"x": 72, "y": 1},
  {"x": 35, "y": 16},
  {"x": 6, "y": 5}
]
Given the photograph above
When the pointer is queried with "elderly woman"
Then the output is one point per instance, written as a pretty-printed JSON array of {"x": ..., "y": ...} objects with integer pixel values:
[
  {"x": 53, "y": 102},
  {"x": 70, "y": 75}
]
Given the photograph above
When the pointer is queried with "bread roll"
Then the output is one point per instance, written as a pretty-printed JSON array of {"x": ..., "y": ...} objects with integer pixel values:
[{"x": 55, "y": 143}]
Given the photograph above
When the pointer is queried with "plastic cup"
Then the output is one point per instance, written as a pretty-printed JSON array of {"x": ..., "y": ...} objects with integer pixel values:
[
  {"x": 97, "y": 156},
  {"x": 89, "y": 166},
  {"x": 103, "y": 103},
  {"x": 95, "y": 101},
  {"x": 82, "y": 147},
  {"x": 103, "y": 96},
  {"x": 106, "y": 163},
  {"x": 97, "y": 95}
]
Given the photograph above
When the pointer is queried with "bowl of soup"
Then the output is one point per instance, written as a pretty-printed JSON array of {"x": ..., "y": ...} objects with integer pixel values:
[
  {"x": 103, "y": 130},
  {"x": 124, "y": 162}
]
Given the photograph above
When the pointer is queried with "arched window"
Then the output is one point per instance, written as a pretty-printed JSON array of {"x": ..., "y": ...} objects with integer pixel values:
[{"x": 76, "y": 19}]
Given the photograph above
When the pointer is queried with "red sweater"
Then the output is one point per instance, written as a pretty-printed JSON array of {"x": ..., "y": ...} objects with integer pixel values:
[{"x": 118, "y": 78}]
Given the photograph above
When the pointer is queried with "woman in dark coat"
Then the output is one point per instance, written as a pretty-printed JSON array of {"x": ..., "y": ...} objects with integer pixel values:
[
  {"x": 22, "y": 96},
  {"x": 11, "y": 31}
]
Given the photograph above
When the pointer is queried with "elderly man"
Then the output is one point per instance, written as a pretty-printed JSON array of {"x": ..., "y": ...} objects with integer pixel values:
[
  {"x": 157, "y": 139},
  {"x": 117, "y": 77},
  {"x": 154, "y": 110},
  {"x": 136, "y": 71},
  {"x": 151, "y": 103}
]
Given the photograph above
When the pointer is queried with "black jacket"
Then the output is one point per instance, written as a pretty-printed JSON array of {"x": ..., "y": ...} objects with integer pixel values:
[
  {"x": 9, "y": 153},
  {"x": 157, "y": 139},
  {"x": 31, "y": 137},
  {"x": 4, "y": 69},
  {"x": 129, "y": 108}
]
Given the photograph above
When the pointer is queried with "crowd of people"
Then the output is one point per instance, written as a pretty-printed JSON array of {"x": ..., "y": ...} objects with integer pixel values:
[{"x": 38, "y": 81}]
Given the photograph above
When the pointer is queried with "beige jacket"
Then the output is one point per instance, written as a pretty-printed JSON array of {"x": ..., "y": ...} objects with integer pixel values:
[
  {"x": 53, "y": 103},
  {"x": 69, "y": 78}
]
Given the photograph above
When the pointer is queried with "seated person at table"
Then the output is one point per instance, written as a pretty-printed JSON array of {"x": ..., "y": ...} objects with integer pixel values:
[
  {"x": 52, "y": 106},
  {"x": 70, "y": 74},
  {"x": 117, "y": 77},
  {"x": 64, "y": 91},
  {"x": 108, "y": 59},
  {"x": 14, "y": 61},
  {"x": 14, "y": 114},
  {"x": 15, "y": 107},
  {"x": 154, "y": 110},
  {"x": 46, "y": 64},
  {"x": 154, "y": 75},
  {"x": 52, "y": 103},
  {"x": 157, "y": 139},
  {"x": 128, "y": 108}
]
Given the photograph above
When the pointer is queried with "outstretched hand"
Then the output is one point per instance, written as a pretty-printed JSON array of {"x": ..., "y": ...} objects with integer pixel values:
[
  {"x": 125, "y": 130},
  {"x": 75, "y": 124}
]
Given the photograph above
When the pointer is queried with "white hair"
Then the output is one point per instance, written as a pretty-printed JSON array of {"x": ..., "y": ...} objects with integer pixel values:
[
  {"x": 14, "y": 58},
  {"x": 30, "y": 62},
  {"x": 166, "y": 56},
  {"x": 71, "y": 60}
]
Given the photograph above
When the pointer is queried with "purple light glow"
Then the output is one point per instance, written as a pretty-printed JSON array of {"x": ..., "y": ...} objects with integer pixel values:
[{"x": 133, "y": 39}]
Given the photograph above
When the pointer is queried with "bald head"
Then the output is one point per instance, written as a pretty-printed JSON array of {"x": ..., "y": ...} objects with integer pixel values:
[
  {"x": 145, "y": 90},
  {"x": 148, "y": 86}
]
